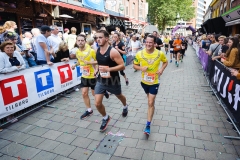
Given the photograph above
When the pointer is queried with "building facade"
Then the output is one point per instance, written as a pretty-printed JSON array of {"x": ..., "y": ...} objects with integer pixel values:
[
  {"x": 229, "y": 10},
  {"x": 29, "y": 14},
  {"x": 127, "y": 14},
  {"x": 200, "y": 10}
]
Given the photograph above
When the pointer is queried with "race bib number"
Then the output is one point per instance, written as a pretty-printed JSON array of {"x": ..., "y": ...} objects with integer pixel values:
[
  {"x": 149, "y": 77},
  {"x": 171, "y": 49},
  {"x": 105, "y": 74},
  {"x": 178, "y": 47},
  {"x": 183, "y": 47},
  {"x": 85, "y": 70}
]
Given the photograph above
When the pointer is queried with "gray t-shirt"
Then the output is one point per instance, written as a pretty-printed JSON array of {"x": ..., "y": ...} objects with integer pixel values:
[
  {"x": 40, "y": 51},
  {"x": 215, "y": 47}
]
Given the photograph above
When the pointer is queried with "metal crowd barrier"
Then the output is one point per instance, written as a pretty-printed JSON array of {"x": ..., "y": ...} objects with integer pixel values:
[{"x": 222, "y": 104}]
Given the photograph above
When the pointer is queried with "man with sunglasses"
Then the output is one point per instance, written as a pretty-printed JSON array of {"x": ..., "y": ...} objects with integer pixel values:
[{"x": 110, "y": 62}]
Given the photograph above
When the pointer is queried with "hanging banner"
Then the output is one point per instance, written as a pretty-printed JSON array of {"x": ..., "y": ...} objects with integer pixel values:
[
  {"x": 227, "y": 87},
  {"x": 203, "y": 56},
  {"x": 94, "y": 4},
  {"x": 19, "y": 90}
]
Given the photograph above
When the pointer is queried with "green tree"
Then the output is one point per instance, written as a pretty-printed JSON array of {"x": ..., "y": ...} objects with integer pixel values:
[{"x": 164, "y": 12}]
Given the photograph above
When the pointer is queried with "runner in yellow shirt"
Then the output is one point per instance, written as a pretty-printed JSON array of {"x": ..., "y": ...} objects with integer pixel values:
[
  {"x": 148, "y": 61},
  {"x": 86, "y": 60},
  {"x": 166, "y": 42}
]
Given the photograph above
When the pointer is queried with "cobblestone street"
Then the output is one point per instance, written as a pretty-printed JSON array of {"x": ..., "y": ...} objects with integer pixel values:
[{"x": 188, "y": 124}]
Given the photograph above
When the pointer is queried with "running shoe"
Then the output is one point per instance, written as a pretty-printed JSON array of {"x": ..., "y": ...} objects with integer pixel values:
[
  {"x": 125, "y": 112},
  {"x": 181, "y": 60},
  {"x": 147, "y": 130},
  {"x": 135, "y": 70},
  {"x": 177, "y": 64},
  {"x": 106, "y": 94},
  {"x": 229, "y": 121},
  {"x": 170, "y": 61},
  {"x": 86, "y": 114},
  {"x": 105, "y": 124},
  {"x": 127, "y": 82}
]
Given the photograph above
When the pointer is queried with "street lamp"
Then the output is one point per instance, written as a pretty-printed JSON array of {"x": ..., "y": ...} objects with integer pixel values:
[{"x": 178, "y": 16}]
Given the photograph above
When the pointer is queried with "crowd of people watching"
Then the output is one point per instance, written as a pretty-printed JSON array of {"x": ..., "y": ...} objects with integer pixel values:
[
  {"x": 47, "y": 45},
  {"x": 224, "y": 49}
]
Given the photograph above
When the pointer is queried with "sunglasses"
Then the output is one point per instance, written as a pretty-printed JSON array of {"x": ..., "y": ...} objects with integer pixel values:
[
  {"x": 99, "y": 37},
  {"x": 11, "y": 34}
]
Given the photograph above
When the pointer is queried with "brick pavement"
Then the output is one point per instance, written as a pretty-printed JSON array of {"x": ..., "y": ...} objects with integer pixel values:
[{"x": 188, "y": 124}]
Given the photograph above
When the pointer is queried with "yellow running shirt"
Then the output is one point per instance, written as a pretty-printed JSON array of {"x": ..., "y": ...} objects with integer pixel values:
[
  {"x": 152, "y": 61},
  {"x": 88, "y": 55},
  {"x": 166, "y": 40}
]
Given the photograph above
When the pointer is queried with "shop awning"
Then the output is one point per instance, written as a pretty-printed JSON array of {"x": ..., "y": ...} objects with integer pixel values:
[
  {"x": 73, "y": 7},
  {"x": 150, "y": 29},
  {"x": 138, "y": 22},
  {"x": 120, "y": 17},
  {"x": 116, "y": 14},
  {"x": 231, "y": 23},
  {"x": 215, "y": 25}
]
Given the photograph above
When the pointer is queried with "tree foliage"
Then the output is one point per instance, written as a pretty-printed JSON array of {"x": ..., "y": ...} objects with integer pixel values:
[{"x": 164, "y": 12}]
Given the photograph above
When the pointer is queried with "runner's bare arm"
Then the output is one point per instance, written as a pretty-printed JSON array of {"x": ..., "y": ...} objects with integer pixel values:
[
  {"x": 115, "y": 56},
  {"x": 121, "y": 51},
  {"x": 47, "y": 53},
  {"x": 138, "y": 67},
  {"x": 164, "y": 65}
]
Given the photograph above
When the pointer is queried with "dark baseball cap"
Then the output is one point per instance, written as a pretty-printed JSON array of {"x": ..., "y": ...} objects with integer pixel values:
[{"x": 45, "y": 28}]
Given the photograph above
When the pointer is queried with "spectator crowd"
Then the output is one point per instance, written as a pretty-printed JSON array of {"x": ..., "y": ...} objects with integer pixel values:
[{"x": 224, "y": 49}]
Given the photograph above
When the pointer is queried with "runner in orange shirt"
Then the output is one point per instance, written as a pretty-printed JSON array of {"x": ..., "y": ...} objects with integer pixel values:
[{"x": 177, "y": 49}]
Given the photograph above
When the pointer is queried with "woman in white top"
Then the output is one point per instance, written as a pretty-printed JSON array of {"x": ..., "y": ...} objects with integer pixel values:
[
  {"x": 9, "y": 60},
  {"x": 71, "y": 39}
]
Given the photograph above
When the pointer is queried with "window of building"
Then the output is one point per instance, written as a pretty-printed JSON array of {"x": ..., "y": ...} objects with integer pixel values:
[
  {"x": 200, "y": 10},
  {"x": 200, "y": 5},
  {"x": 140, "y": 9},
  {"x": 225, "y": 6},
  {"x": 133, "y": 8},
  {"x": 127, "y": 4},
  {"x": 231, "y": 4},
  {"x": 221, "y": 9}
]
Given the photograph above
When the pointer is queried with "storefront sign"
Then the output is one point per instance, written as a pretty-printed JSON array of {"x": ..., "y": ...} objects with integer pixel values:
[
  {"x": 94, "y": 4},
  {"x": 117, "y": 22},
  {"x": 137, "y": 26}
]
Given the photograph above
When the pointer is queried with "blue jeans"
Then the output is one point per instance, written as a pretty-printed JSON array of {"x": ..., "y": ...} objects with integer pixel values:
[
  {"x": 26, "y": 62},
  {"x": 41, "y": 62},
  {"x": 31, "y": 62}
]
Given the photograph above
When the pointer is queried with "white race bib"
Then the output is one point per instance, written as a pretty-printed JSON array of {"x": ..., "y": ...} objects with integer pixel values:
[
  {"x": 105, "y": 74},
  {"x": 171, "y": 49},
  {"x": 149, "y": 77},
  {"x": 85, "y": 70}
]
